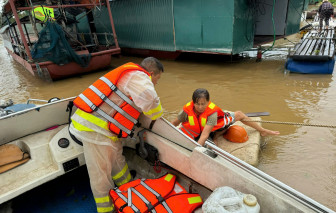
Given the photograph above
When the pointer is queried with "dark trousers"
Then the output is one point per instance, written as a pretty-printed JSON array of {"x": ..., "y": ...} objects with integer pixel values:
[{"x": 326, "y": 19}]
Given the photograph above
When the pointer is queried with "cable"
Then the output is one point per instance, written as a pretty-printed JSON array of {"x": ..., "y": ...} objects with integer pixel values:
[
  {"x": 300, "y": 14},
  {"x": 292, "y": 123}
]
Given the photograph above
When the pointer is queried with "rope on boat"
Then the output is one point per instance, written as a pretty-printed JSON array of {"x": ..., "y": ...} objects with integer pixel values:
[{"x": 292, "y": 123}]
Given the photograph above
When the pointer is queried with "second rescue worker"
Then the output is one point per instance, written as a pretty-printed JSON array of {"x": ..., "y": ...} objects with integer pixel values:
[{"x": 107, "y": 111}]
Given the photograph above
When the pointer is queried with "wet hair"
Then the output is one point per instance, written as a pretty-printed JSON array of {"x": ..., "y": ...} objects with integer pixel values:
[
  {"x": 200, "y": 93},
  {"x": 151, "y": 64}
]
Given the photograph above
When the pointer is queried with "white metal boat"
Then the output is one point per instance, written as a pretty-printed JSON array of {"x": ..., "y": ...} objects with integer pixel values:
[{"x": 42, "y": 131}]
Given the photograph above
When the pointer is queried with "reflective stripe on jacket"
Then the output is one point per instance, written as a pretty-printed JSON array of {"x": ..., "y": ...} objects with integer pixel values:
[
  {"x": 153, "y": 195},
  {"x": 194, "y": 126},
  {"x": 181, "y": 203},
  {"x": 126, "y": 114}
]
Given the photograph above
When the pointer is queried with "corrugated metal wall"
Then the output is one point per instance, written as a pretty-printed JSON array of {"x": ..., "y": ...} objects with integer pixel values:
[
  {"x": 204, "y": 25},
  {"x": 192, "y": 25},
  {"x": 144, "y": 24},
  {"x": 243, "y": 30},
  {"x": 294, "y": 13}
]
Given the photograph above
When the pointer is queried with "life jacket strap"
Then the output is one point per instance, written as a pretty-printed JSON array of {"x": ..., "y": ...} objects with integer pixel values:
[
  {"x": 104, "y": 114},
  {"x": 148, "y": 204},
  {"x": 134, "y": 208},
  {"x": 88, "y": 102},
  {"x": 113, "y": 105},
  {"x": 115, "y": 89},
  {"x": 158, "y": 196}
]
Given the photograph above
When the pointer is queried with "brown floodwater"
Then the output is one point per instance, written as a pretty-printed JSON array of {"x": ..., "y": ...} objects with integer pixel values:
[{"x": 303, "y": 157}]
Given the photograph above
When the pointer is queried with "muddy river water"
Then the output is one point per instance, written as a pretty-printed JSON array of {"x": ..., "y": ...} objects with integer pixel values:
[{"x": 303, "y": 156}]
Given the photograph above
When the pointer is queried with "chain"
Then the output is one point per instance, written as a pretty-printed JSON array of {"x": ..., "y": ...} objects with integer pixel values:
[{"x": 292, "y": 123}]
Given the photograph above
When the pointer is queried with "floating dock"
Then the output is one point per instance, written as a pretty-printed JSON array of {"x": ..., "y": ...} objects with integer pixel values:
[{"x": 314, "y": 53}]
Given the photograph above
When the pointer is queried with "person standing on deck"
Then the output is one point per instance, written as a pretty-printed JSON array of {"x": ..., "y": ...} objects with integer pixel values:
[
  {"x": 326, "y": 10},
  {"x": 201, "y": 118},
  {"x": 107, "y": 112}
]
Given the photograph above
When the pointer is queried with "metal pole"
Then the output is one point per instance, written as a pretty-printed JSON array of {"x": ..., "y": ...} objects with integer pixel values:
[
  {"x": 112, "y": 24},
  {"x": 24, "y": 25},
  {"x": 17, "y": 19},
  {"x": 11, "y": 33},
  {"x": 59, "y": 6},
  {"x": 33, "y": 22}
]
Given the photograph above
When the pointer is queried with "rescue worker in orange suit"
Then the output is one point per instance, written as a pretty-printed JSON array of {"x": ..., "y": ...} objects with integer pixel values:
[
  {"x": 202, "y": 119},
  {"x": 100, "y": 127}
]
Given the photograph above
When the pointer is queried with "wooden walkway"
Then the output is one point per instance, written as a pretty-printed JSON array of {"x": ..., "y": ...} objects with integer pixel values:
[{"x": 315, "y": 45}]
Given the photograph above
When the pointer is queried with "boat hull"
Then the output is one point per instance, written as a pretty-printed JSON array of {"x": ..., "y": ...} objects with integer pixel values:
[{"x": 52, "y": 71}]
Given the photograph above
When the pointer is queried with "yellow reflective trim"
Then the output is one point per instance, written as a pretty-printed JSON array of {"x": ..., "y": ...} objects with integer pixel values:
[
  {"x": 203, "y": 121},
  {"x": 102, "y": 199},
  {"x": 189, "y": 103},
  {"x": 130, "y": 66},
  {"x": 80, "y": 127},
  {"x": 114, "y": 138},
  {"x": 105, "y": 209},
  {"x": 169, "y": 177},
  {"x": 93, "y": 119},
  {"x": 212, "y": 105},
  {"x": 121, "y": 173},
  {"x": 193, "y": 200},
  {"x": 156, "y": 109},
  {"x": 191, "y": 120},
  {"x": 157, "y": 116},
  {"x": 125, "y": 181}
]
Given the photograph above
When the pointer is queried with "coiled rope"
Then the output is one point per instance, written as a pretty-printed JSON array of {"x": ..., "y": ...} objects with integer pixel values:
[{"x": 292, "y": 123}]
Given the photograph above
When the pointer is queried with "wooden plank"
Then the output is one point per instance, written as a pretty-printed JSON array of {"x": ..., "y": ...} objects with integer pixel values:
[
  {"x": 317, "y": 47},
  {"x": 308, "y": 34},
  {"x": 304, "y": 50},
  {"x": 322, "y": 47},
  {"x": 301, "y": 47},
  {"x": 310, "y": 51},
  {"x": 330, "y": 33},
  {"x": 326, "y": 49},
  {"x": 332, "y": 46}
]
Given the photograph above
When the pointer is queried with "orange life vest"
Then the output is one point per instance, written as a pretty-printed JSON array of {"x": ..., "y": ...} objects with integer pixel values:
[
  {"x": 194, "y": 126},
  {"x": 154, "y": 195},
  {"x": 123, "y": 121}
]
